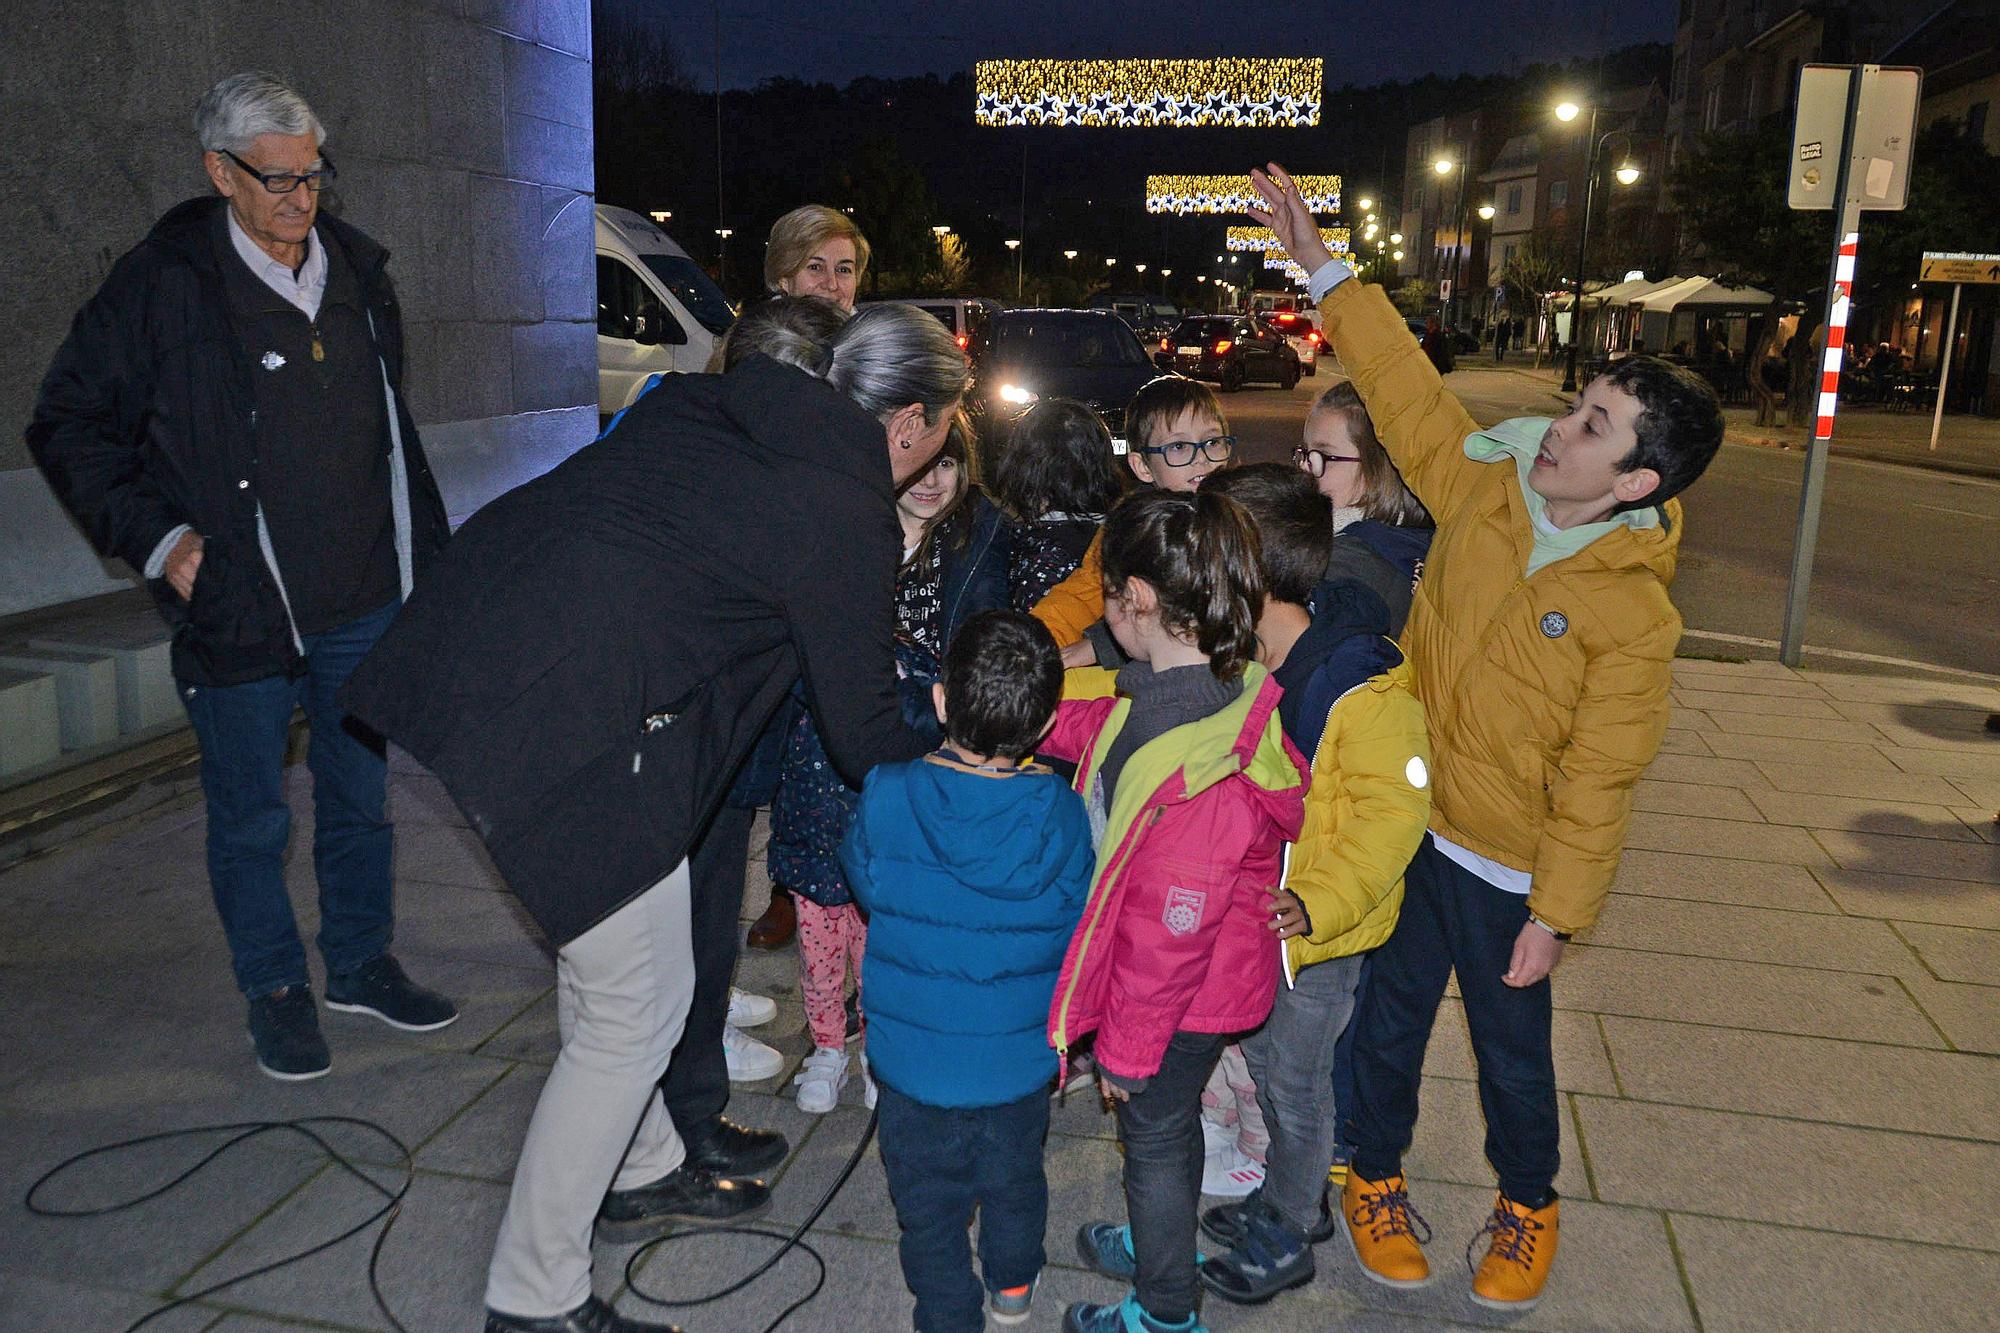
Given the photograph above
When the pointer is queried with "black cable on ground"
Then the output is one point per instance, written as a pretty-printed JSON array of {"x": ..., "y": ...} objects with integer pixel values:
[
  {"x": 792, "y": 1240},
  {"x": 249, "y": 1130},
  {"x": 245, "y": 1132}
]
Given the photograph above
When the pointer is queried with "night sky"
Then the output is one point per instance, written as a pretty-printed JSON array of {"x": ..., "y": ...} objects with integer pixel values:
[{"x": 1364, "y": 41}]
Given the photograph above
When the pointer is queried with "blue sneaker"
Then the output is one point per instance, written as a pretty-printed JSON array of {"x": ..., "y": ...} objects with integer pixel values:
[
  {"x": 1127, "y": 1316},
  {"x": 380, "y": 987},
  {"x": 285, "y": 1030},
  {"x": 1106, "y": 1247},
  {"x": 1270, "y": 1256},
  {"x": 1011, "y": 1305}
]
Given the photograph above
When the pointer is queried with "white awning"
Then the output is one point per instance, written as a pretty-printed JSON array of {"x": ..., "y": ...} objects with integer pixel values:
[
  {"x": 1704, "y": 293},
  {"x": 1631, "y": 289}
]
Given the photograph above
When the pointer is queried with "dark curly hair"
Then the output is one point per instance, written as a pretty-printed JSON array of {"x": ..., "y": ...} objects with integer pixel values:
[
  {"x": 1200, "y": 554},
  {"x": 1002, "y": 680},
  {"x": 1294, "y": 525},
  {"x": 1679, "y": 424},
  {"x": 1057, "y": 460}
]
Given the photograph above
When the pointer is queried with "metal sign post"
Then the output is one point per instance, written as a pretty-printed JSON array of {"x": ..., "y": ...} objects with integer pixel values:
[
  {"x": 1871, "y": 144},
  {"x": 1956, "y": 269}
]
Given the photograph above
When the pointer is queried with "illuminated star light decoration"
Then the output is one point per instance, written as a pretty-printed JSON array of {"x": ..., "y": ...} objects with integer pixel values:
[
  {"x": 1285, "y": 264},
  {"x": 1338, "y": 239},
  {"x": 1122, "y": 93},
  {"x": 1232, "y": 194}
]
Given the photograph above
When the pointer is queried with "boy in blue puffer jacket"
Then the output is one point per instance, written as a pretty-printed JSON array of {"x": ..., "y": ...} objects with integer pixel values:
[{"x": 974, "y": 868}]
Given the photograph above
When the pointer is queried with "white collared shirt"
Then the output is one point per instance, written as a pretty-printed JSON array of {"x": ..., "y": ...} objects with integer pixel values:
[{"x": 304, "y": 288}]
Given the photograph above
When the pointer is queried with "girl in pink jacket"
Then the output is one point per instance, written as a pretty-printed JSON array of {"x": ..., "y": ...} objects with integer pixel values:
[{"x": 1192, "y": 788}]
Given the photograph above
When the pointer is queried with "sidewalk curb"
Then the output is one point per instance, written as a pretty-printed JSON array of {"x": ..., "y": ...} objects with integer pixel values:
[{"x": 1862, "y": 453}]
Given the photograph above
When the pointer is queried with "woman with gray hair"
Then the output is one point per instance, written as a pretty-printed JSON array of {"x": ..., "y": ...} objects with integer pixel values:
[{"x": 585, "y": 669}]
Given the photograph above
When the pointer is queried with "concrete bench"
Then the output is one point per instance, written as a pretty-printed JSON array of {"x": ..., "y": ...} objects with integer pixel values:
[
  {"x": 138, "y": 648},
  {"x": 86, "y": 690},
  {"x": 30, "y": 721}
]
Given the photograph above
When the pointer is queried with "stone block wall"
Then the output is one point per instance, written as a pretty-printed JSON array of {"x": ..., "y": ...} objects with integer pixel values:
[{"x": 462, "y": 131}]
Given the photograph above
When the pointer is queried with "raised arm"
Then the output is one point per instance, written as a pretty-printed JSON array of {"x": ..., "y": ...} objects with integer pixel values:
[{"x": 1421, "y": 424}]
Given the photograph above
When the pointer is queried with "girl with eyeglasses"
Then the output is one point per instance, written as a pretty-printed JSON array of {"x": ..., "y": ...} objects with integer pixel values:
[{"x": 1381, "y": 530}]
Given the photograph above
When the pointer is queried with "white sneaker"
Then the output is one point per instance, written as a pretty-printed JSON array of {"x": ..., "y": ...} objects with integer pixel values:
[
  {"x": 1230, "y": 1173},
  {"x": 820, "y": 1079},
  {"x": 867, "y": 1084},
  {"x": 749, "y": 1060},
  {"x": 750, "y": 1011},
  {"x": 1215, "y": 1136}
]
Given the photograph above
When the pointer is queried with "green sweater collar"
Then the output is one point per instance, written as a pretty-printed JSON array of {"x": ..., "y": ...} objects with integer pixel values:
[{"x": 1521, "y": 439}]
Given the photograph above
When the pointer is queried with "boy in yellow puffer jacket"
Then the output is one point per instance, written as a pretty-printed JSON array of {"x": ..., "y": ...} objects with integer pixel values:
[
  {"x": 1541, "y": 641},
  {"x": 1348, "y": 707}
]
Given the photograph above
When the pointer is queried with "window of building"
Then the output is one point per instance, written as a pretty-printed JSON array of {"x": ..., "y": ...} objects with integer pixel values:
[
  {"x": 1514, "y": 196},
  {"x": 1975, "y": 121},
  {"x": 1558, "y": 193}
]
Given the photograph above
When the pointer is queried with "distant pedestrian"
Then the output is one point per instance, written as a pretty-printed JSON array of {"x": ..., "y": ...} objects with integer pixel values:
[
  {"x": 1437, "y": 346},
  {"x": 227, "y": 417},
  {"x": 1501, "y": 331}
]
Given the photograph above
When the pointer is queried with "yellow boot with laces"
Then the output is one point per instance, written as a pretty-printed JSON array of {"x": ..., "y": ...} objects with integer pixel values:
[
  {"x": 1384, "y": 1231},
  {"x": 1517, "y": 1263}
]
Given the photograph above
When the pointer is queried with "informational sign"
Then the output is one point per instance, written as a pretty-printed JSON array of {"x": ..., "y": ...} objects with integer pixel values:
[
  {"x": 1941, "y": 266},
  {"x": 1885, "y": 123},
  {"x": 1444, "y": 289}
]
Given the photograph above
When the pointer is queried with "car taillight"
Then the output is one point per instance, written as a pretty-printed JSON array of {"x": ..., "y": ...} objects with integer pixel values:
[
  {"x": 1313, "y": 336},
  {"x": 1221, "y": 345},
  {"x": 962, "y": 341},
  {"x": 1166, "y": 344}
]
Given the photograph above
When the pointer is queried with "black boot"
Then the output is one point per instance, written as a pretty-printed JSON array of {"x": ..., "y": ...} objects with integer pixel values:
[
  {"x": 688, "y": 1194},
  {"x": 593, "y": 1316},
  {"x": 727, "y": 1149}
]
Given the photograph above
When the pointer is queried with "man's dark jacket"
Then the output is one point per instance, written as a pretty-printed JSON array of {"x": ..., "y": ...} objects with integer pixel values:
[
  {"x": 589, "y": 662},
  {"x": 146, "y": 421}
]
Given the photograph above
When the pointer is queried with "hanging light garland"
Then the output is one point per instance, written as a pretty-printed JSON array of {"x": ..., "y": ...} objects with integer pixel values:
[
  {"x": 1232, "y": 194},
  {"x": 1338, "y": 239},
  {"x": 1286, "y": 265},
  {"x": 1242, "y": 93}
]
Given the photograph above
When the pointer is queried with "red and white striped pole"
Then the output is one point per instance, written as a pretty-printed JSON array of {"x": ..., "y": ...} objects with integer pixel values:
[{"x": 1836, "y": 336}]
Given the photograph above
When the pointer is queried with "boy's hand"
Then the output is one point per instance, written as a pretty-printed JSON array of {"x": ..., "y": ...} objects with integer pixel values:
[
  {"x": 1288, "y": 914},
  {"x": 1286, "y": 214},
  {"x": 1079, "y": 654},
  {"x": 1536, "y": 953},
  {"x": 1111, "y": 1092}
]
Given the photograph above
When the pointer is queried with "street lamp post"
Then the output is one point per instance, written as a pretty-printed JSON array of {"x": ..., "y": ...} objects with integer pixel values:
[
  {"x": 1015, "y": 246},
  {"x": 1444, "y": 167},
  {"x": 722, "y": 235},
  {"x": 1627, "y": 174}
]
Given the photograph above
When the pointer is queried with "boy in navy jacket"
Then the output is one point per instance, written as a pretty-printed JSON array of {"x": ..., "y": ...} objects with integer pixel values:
[{"x": 974, "y": 868}]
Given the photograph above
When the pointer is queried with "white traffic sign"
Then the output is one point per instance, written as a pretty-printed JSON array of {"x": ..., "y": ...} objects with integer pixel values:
[{"x": 1885, "y": 123}]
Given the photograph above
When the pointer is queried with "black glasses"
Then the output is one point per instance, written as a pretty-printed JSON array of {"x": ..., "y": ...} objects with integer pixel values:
[
  {"x": 281, "y": 182},
  {"x": 1179, "y": 453},
  {"x": 1315, "y": 460}
]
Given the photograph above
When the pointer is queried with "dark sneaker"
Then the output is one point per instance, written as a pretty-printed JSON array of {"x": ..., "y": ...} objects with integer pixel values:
[
  {"x": 1223, "y": 1223},
  {"x": 379, "y": 987},
  {"x": 1013, "y": 1305},
  {"x": 853, "y": 1008},
  {"x": 593, "y": 1316},
  {"x": 1271, "y": 1257},
  {"x": 1127, "y": 1316},
  {"x": 284, "y": 1028},
  {"x": 726, "y": 1149},
  {"x": 687, "y": 1194}
]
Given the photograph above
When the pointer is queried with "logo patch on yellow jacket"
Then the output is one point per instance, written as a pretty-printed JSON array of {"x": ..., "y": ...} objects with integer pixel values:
[
  {"x": 1554, "y": 625},
  {"x": 1183, "y": 911}
]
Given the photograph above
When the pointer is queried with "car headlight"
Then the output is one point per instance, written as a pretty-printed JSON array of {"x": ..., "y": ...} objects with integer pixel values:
[{"x": 1014, "y": 393}]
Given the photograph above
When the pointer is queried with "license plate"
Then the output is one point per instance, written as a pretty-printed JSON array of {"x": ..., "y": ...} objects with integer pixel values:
[{"x": 1188, "y": 351}]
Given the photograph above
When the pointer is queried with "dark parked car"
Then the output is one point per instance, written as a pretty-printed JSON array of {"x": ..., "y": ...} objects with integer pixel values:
[
  {"x": 1023, "y": 356},
  {"x": 1231, "y": 350}
]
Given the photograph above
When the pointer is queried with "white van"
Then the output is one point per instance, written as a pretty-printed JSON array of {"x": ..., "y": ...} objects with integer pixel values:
[{"x": 656, "y": 309}]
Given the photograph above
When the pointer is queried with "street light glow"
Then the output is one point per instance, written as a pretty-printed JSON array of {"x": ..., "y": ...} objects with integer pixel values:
[
  {"x": 1069, "y": 254},
  {"x": 1166, "y": 273},
  {"x": 1395, "y": 238},
  {"x": 940, "y": 230},
  {"x": 662, "y": 214},
  {"x": 1627, "y": 174},
  {"x": 1367, "y": 204},
  {"x": 1442, "y": 166},
  {"x": 724, "y": 232},
  {"x": 1012, "y": 245},
  {"x": 1486, "y": 210},
  {"x": 1398, "y": 254},
  {"x": 1109, "y": 262},
  {"x": 1568, "y": 111},
  {"x": 1139, "y": 267}
]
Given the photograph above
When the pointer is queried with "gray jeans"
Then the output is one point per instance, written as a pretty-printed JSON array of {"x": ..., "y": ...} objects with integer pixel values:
[
  {"x": 1291, "y": 1058},
  {"x": 622, "y": 993}
]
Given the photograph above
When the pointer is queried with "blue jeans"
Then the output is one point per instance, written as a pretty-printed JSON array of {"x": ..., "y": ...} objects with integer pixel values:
[
  {"x": 1292, "y": 1059},
  {"x": 1454, "y": 920},
  {"x": 942, "y": 1162},
  {"x": 243, "y": 730},
  {"x": 1161, "y": 1130}
]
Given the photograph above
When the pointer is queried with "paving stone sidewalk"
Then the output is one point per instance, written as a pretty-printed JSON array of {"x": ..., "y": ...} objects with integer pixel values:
[{"x": 1779, "y": 1056}]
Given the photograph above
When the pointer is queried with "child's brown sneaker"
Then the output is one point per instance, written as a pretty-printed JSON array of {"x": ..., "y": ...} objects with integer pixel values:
[
  {"x": 1385, "y": 1232},
  {"x": 1517, "y": 1263}
]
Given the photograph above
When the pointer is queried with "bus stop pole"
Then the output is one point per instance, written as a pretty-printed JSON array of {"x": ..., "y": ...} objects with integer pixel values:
[
  {"x": 1839, "y": 288},
  {"x": 1944, "y": 364}
]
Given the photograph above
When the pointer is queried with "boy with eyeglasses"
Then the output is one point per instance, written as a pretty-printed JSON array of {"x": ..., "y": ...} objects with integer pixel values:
[{"x": 1178, "y": 435}]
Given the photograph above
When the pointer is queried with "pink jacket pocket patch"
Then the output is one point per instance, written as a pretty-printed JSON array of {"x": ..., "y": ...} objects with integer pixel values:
[{"x": 1182, "y": 915}]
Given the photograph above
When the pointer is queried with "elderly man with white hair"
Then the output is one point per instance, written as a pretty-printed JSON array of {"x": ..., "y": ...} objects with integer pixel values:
[{"x": 226, "y": 416}]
